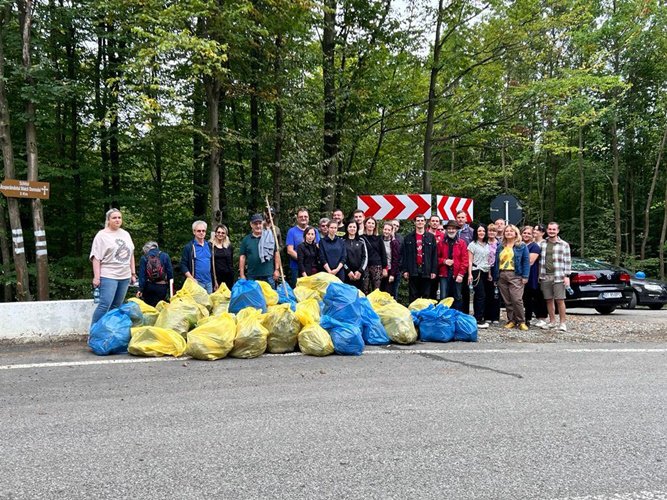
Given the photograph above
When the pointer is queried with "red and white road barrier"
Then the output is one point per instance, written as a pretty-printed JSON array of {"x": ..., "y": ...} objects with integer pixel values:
[
  {"x": 448, "y": 206},
  {"x": 395, "y": 206}
]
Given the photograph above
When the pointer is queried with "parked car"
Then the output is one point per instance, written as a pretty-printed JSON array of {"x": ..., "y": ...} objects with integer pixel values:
[
  {"x": 646, "y": 291},
  {"x": 598, "y": 285}
]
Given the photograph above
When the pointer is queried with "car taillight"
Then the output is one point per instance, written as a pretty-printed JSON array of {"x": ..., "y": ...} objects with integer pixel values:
[
  {"x": 583, "y": 278},
  {"x": 625, "y": 277}
]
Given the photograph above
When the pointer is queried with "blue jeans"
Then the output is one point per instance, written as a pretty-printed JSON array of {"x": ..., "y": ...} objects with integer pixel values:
[
  {"x": 112, "y": 295},
  {"x": 206, "y": 286},
  {"x": 450, "y": 288},
  {"x": 268, "y": 279}
]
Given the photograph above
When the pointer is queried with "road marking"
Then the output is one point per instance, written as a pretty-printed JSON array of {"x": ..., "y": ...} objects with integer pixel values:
[{"x": 381, "y": 351}]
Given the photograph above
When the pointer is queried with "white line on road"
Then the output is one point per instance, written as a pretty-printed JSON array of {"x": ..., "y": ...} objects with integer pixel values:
[{"x": 369, "y": 352}]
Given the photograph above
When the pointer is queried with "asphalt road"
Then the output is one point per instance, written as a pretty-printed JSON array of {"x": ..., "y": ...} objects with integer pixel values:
[{"x": 428, "y": 421}]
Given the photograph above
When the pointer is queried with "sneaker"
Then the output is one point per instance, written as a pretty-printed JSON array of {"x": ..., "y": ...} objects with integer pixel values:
[
  {"x": 482, "y": 325},
  {"x": 562, "y": 327},
  {"x": 495, "y": 323},
  {"x": 523, "y": 327},
  {"x": 540, "y": 323},
  {"x": 548, "y": 326},
  {"x": 509, "y": 325}
]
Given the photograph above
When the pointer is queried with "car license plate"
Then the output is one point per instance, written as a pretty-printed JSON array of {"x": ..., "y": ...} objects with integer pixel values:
[{"x": 612, "y": 295}]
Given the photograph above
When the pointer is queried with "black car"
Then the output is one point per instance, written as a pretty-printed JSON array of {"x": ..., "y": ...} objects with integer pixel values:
[
  {"x": 598, "y": 285},
  {"x": 646, "y": 292}
]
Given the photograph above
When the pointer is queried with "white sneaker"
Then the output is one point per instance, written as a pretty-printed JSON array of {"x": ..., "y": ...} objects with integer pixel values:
[
  {"x": 562, "y": 327},
  {"x": 549, "y": 326},
  {"x": 540, "y": 323},
  {"x": 482, "y": 325}
]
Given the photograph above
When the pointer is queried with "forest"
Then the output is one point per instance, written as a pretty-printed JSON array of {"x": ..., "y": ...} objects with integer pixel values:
[{"x": 177, "y": 110}]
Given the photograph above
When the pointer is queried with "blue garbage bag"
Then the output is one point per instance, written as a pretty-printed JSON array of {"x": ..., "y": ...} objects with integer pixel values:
[
  {"x": 246, "y": 293},
  {"x": 286, "y": 298},
  {"x": 436, "y": 323},
  {"x": 466, "y": 328},
  {"x": 372, "y": 330},
  {"x": 346, "y": 337},
  {"x": 340, "y": 302},
  {"x": 133, "y": 310},
  {"x": 111, "y": 333}
]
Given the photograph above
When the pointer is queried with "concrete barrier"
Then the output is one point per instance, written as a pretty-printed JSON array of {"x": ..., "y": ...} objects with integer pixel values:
[{"x": 40, "y": 321}]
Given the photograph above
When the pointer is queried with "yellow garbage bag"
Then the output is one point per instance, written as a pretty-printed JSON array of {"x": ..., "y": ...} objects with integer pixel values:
[
  {"x": 308, "y": 311},
  {"x": 302, "y": 293},
  {"x": 283, "y": 327},
  {"x": 447, "y": 302},
  {"x": 318, "y": 282},
  {"x": 181, "y": 315},
  {"x": 149, "y": 312},
  {"x": 212, "y": 340},
  {"x": 397, "y": 320},
  {"x": 378, "y": 298},
  {"x": 224, "y": 291},
  {"x": 419, "y": 304},
  {"x": 251, "y": 336},
  {"x": 270, "y": 295},
  {"x": 155, "y": 341},
  {"x": 315, "y": 341},
  {"x": 220, "y": 300},
  {"x": 196, "y": 291},
  {"x": 161, "y": 305}
]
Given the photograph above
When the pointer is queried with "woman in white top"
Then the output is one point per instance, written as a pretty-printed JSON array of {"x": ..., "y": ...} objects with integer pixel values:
[
  {"x": 478, "y": 272},
  {"x": 112, "y": 256}
]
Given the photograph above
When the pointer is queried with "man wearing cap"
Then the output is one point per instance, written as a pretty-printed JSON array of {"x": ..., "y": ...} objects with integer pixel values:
[
  {"x": 259, "y": 258},
  {"x": 419, "y": 260},
  {"x": 294, "y": 239},
  {"x": 197, "y": 257},
  {"x": 452, "y": 264}
]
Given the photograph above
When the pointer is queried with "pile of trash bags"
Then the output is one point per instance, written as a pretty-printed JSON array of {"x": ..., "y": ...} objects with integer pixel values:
[{"x": 321, "y": 316}]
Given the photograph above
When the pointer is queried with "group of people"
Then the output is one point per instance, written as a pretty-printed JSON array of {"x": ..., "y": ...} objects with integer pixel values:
[{"x": 529, "y": 272}]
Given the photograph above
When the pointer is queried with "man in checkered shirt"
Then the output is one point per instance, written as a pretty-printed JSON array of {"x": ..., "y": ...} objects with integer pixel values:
[{"x": 555, "y": 269}]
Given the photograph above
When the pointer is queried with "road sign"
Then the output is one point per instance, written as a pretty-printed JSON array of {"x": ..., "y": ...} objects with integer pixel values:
[
  {"x": 14, "y": 188},
  {"x": 395, "y": 206},
  {"x": 448, "y": 206},
  {"x": 506, "y": 207}
]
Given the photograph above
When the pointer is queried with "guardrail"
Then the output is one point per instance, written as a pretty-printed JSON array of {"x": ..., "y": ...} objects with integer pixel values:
[{"x": 50, "y": 320}]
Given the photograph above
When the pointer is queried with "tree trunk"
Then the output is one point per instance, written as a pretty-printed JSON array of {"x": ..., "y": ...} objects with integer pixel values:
[
  {"x": 101, "y": 110},
  {"x": 22, "y": 288},
  {"x": 649, "y": 199},
  {"x": 663, "y": 233},
  {"x": 331, "y": 133},
  {"x": 430, "y": 110},
  {"x": 279, "y": 124},
  {"x": 582, "y": 193},
  {"x": 239, "y": 152},
  {"x": 255, "y": 199},
  {"x": 114, "y": 58},
  {"x": 212, "y": 86},
  {"x": 376, "y": 154},
  {"x": 5, "y": 253},
  {"x": 79, "y": 206},
  {"x": 615, "y": 193},
  {"x": 41, "y": 259}
]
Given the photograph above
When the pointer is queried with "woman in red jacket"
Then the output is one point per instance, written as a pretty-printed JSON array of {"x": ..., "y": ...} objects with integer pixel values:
[{"x": 452, "y": 264}]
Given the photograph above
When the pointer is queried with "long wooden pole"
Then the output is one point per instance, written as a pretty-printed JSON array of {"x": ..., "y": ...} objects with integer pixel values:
[{"x": 275, "y": 238}]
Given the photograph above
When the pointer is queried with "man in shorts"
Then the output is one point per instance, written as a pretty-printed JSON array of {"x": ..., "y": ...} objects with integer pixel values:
[{"x": 555, "y": 269}]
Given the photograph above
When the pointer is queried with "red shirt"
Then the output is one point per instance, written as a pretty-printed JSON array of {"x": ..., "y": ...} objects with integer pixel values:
[{"x": 420, "y": 249}]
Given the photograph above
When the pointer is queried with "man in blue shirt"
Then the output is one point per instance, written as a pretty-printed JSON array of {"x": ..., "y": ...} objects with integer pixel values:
[
  {"x": 197, "y": 257},
  {"x": 294, "y": 239}
]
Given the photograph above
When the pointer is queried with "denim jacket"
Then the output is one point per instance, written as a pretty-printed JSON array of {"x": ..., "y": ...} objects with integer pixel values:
[{"x": 521, "y": 261}]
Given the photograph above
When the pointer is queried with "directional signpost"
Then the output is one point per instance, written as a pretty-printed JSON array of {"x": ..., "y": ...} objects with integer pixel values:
[
  {"x": 14, "y": 188},
  {"x": 506, "y": 207}
]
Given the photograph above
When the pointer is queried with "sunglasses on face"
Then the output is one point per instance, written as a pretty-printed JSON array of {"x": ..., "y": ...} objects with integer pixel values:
[{"x": 200, "y": 230}]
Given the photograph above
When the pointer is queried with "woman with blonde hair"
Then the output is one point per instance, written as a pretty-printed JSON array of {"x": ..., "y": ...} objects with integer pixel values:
[
  {"x": 223, "y": 257},
  {"x": 510, "y": 271},
  {"x": 112, "y": 257}
]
